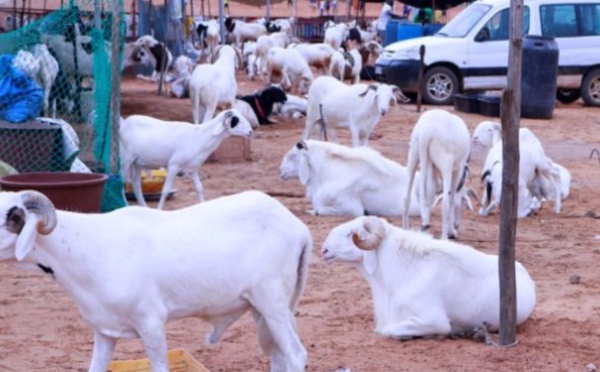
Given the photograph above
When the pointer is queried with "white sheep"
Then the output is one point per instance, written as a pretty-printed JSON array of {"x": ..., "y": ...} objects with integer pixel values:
[
  {"x": 179, "y": 79},
  {"x": 148, "y": 143},
  {"x": 243, "y": 31},
  {"x": 62, "y": 46},
  {"x": 358, "y": 107},
  {"x": 316, "y": 55},
  {"x": 346, "y": 64},
  {"x": 213, "y": 261},
  {"x": 291, "y": 69},
  {"x": 440, "y": 145},
  {"x": 347, "y": 181},
  {"x": 422, "y": 286},
  {"x": 294, "y": 107},
  {"x": 335, "y": 35},
  {"x": 209, "y": 34},
  {"x": 214, "y": 84},
  {"x": 533, "y": 163},
  {"x": 488, "y": 133},
  {"x": 38, "y": 63},
  {"x": 266, "y": 42}
]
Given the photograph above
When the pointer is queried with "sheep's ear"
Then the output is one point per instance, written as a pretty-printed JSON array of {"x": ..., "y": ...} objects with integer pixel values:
[
  {"x": 370, "y": 261},
  {"x": 303, "y": 168},
  {"x": 27, "y": 236}
]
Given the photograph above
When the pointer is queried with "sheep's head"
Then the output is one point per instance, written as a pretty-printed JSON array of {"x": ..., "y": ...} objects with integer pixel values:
[
  {"x": 295, "y": 163},
  {"x": 274, "y": 94},
  {"x": 26, "y": 214},
  {"x": 355, "y": 241},
  {"x": 486, "y": 133},
  {"x": 234, "y": 123}
]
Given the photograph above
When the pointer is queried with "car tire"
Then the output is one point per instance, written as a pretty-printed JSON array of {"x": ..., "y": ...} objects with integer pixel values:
[
  {"x": 440, "y": 86},
  {"x": 568, "y": 95},
  {"x": 590, "y": 88}
]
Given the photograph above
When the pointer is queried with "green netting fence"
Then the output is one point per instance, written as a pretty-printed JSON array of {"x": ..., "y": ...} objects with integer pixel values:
[{"x": 56, "y": 110}]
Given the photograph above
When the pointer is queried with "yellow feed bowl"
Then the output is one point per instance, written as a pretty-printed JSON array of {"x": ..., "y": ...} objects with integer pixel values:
[
  {"x": 151, "y": 184},
  {"x": 179, "y": 361}
]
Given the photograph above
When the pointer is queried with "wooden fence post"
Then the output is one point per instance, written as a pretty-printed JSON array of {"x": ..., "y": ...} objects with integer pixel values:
[{"x": 510, "y": 117}]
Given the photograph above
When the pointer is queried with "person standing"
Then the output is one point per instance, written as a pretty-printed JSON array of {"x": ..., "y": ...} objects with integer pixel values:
[{"x": 387, "y": 13}]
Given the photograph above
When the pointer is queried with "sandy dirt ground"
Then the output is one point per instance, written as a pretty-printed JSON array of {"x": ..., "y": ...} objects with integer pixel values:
[{"x": 41, "y": 329}]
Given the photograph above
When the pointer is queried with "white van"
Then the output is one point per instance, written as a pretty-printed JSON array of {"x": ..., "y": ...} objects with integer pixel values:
[{"x": 470, "y": 53}]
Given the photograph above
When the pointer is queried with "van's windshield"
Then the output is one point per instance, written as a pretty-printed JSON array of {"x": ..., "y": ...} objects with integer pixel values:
[{"x": 460, "y": 25}]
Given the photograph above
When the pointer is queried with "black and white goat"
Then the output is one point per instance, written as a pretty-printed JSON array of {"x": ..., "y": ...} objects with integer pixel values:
[
  {"x": 155, "y": 53},
  {"x": 262, "y": 102}
]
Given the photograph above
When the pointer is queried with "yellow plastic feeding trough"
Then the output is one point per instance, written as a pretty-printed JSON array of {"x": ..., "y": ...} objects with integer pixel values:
[
  {"x": 152, "y": 185},
  {"x": 179, "y": 361}
]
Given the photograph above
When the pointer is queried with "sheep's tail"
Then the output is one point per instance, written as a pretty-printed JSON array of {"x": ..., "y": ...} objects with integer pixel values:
[{"x": 302, "y": 272}]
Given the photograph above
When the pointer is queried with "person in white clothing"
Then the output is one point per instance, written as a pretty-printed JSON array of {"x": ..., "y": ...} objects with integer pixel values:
[{"x": 387, "y": 13}]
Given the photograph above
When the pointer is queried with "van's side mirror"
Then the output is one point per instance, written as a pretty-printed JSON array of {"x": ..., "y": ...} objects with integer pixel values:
[{"x": 483, "y": 35}]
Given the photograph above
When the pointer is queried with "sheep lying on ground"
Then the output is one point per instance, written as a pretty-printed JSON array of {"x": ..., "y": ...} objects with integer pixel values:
[
  {"x": 294, "y": 107},
  {"x": 148, "y": 143},
  {"x": 262, "y": 102},
  {"x": 341, "y": 180},
  {"x": 422, "y": 286},
  {"x": 156, "y": 266},
  {"x": 440, "y": 145},
  {"x": 357, "y": 107},
  {"x": 179, "y": 79}
]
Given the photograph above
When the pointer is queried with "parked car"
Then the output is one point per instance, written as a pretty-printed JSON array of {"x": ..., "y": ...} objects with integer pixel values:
[{"x": 470, "y": 53}]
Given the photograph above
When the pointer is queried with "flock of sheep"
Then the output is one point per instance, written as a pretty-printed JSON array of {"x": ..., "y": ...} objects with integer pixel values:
[{"x": 207, "y": 260}]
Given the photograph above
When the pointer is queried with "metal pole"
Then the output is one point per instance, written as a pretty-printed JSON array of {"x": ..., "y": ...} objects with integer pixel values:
[
  {"x": 221, "y": 19},
  {"x": 115, "y": 84},
  {"x": 268, "y": 10}
]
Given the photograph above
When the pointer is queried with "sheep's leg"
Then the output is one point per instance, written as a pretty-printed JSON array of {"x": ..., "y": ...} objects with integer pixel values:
[
  {"x": 221, "y": 324},
  {"x": 277, "y": 320},
  {"x": 195, "y": 96},
  {"x": 136, "y": 184},
  {"x": 210, "y": 112},
  {"x": 104, "y": 348},
  {"x": 198, "y": 186},
  {"x": 155, "y": 342},
  {"x": 417, "y": 327},
  {"x": 411, "y": 167},
  {"x": 327, "y": 203},
  {"x": 172, "y": 171}
]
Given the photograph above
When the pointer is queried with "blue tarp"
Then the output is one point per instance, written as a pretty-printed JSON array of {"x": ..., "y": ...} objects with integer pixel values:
[{"x": 21, "y": 98}]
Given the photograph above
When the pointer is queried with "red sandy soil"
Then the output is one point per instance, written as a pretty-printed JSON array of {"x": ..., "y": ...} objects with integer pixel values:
[{"x": 41, "y": 329}]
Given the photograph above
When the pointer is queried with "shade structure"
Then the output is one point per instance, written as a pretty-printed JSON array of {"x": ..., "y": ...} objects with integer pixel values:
[
  {"x": 437, "y": 4},
  {"x": 257, "y": 3}
]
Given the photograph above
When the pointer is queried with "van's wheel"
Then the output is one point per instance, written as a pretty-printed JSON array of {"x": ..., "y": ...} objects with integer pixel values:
[
  {"x": 441, "y": 84},
  {"x": 590, "y": 88},
  {"x": 568, "y": 95}
]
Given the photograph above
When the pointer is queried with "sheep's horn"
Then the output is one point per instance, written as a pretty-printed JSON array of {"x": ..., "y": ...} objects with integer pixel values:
[
  {"x": 38, "y": 203},
  {"x": 375, "y": 233},
  {"x": 372, "y": 87}
]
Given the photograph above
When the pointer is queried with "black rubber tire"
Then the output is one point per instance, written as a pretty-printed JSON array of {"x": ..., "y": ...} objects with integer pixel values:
[
  {"x": 567, "y": 96},
  {"x": 440, "y": 86},
  {"x": 590, "y": 88}
]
